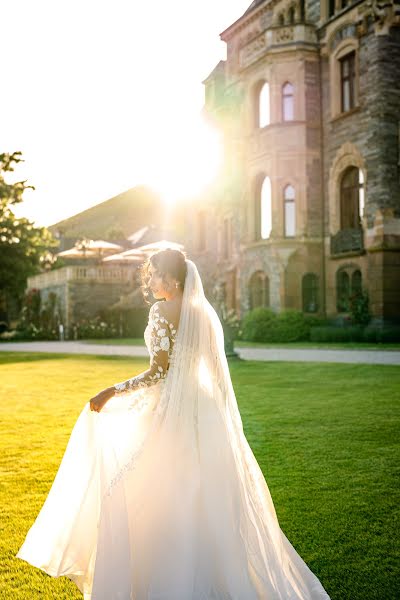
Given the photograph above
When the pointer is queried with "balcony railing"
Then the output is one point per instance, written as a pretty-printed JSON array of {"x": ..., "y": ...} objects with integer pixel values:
[
  {"x": 79, "y": 273},
  {"x": 347, "y": 240}
]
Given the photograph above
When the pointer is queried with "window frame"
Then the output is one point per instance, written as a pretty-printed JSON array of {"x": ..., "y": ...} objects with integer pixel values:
[
  {"x": 349, "y": 78},
  {"x": 312, "y": 289},
  {"x": 289, "y": 201},
  {"x": 345, "y": 48},
  {"x": 356, "y": 189},
  {"x": 262, "y": 200},
  {"x": 350, "y": 271},
  {"x": 261, "y": 88},
  {"x": 286, "y": 96},
  {"x": 263, "y": 291}
]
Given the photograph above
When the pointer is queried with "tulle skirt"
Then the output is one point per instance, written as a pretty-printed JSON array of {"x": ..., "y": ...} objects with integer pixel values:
[{"x": 139, "y": 511}]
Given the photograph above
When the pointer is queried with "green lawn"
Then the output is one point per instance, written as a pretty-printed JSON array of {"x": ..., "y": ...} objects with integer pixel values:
[
  {"x": 289, "y": 345},
  {"x": 325, "y": 435}
]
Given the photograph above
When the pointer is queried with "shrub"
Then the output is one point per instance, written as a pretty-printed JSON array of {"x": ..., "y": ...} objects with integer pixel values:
[
  {"x": 292, "y": 326},
  {"x": 337, "y": 334},
  {"x": 263, "y": 325},
  {"x": 94, "y": 328},
  {"x": 382, "y": 335},
  {"x": 9, "y": 335},
  {"x": 259, "y": 325},
  {"x": 359, "y": 309},
  {"x": 31, "y": 332}
]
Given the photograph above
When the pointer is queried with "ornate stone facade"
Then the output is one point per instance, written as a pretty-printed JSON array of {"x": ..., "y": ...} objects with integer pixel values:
[{"x": 308, "y": 102}]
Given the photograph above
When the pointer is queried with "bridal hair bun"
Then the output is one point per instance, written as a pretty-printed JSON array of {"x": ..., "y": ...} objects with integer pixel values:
[{"x": 167, "y": 262}]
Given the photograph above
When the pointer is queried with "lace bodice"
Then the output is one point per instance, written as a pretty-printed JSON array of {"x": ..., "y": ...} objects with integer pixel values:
[{"x": 159, "y": 336}]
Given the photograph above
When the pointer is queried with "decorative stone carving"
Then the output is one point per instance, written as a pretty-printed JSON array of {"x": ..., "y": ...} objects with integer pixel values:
[
  {"x": 286, "y": 34},
  {"x": 386, "y": 13},
  {"x": 347, "y": 240},
  {"x": 347, "y": 31},
  {"x": 252, "y": 51}
]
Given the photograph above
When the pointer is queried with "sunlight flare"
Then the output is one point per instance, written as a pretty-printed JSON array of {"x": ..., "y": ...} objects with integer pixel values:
[{"x": 189, "y": 161}]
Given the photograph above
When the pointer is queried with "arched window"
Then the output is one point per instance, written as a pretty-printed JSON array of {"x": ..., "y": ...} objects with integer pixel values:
[
  {"x": 351, "y": 198},
  {"x": 289, "y": 211},
  {"x": 258, "y": 290},
  {"x": 310, "y": 293},
  {"x": 288, "y": 102},
  {"x": 348, "y": 286},
  {"x": 266, "y": 208},
  {"x": 342, "y": 291},
  {"x": 281, "y": 19},
  {"x": 356, "y": 283},
  {"x": 348, "y": 81},
  {"x": 291, "y": 15},
  {"x": 264, "y": 106}
]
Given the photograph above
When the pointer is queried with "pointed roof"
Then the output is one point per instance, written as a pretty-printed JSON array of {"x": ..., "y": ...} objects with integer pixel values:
[{"x": 252, "y": 6}]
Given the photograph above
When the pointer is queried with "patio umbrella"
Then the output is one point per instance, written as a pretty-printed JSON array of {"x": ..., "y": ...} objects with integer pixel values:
[
  {"x": 90, "y": 249},
  {"x": 129, "y": 256},
  {"x": 77, "y": 253},
  {"x": 160, "y": 245},
  {"x": 102, "y": 245},
  {"x": 123, "y": 258}
]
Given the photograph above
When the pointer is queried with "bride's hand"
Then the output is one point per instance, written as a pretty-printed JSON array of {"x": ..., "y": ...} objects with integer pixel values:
[{"x": 98, "y": 401}]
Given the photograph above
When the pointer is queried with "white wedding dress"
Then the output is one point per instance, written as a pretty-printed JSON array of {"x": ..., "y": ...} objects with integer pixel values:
[{"x": 159, "y": 496}]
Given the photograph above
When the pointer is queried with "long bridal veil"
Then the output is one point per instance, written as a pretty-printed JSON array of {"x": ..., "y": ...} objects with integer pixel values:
[
  {"x": 252, "y": 556},
  {"x": 159, "y": 496}
]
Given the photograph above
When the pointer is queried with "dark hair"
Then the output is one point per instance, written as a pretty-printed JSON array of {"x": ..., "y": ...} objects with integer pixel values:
[{"x": 166, "y": 262}]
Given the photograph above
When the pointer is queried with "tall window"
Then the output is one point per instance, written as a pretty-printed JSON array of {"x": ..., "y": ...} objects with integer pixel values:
[
  {"x": 347, "y": 81},
  {"x": 351, "y": 198},
  {"x": 288, "y": 102},
  {"x": 331, "y": 8},
  {"x": 259, "y": 290},
  {"x": 310, "y": 293},
  {"x": 342, "y": 291},
  {"x": 289, "y": 211},
  {"x": 264, "y": 106},
  {"x": 266, "y": 208},
  {"x": 348, "y": 284}
]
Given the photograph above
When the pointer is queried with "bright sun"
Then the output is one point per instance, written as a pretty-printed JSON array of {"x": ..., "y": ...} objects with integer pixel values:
[{"x": 190, "y": 161}]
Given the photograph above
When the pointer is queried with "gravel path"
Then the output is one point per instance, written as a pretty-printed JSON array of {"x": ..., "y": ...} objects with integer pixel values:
[{"x": 373, "y": 357}]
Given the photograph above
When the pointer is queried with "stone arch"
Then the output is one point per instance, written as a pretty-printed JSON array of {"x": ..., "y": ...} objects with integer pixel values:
[{"x": 348, "y": 155}]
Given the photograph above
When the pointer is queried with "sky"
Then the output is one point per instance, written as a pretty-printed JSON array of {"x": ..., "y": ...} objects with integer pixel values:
[{"x": 101, "y": 96}]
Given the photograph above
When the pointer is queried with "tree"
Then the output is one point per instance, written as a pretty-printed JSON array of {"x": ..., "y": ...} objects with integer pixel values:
[{"x": 24, "y": 248}]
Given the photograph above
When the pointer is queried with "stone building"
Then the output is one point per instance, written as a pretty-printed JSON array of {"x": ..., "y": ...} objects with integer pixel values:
[{"x": 306, "y": 211}]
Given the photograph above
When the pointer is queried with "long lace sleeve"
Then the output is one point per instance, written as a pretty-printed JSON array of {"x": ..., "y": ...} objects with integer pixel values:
[{"x": 161, "y": 339}]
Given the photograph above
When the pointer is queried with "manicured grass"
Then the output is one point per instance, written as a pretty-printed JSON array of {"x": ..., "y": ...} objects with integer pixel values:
[
  {"x": 325, "y": 435},
  {"x": 243, "y": 344},
  {"x": 319, "y": 345},
  {"x": 118, "y": 341}
]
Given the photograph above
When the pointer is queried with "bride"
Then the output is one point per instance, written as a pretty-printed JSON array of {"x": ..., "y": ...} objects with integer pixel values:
[{"x": 158, "y": 495}]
